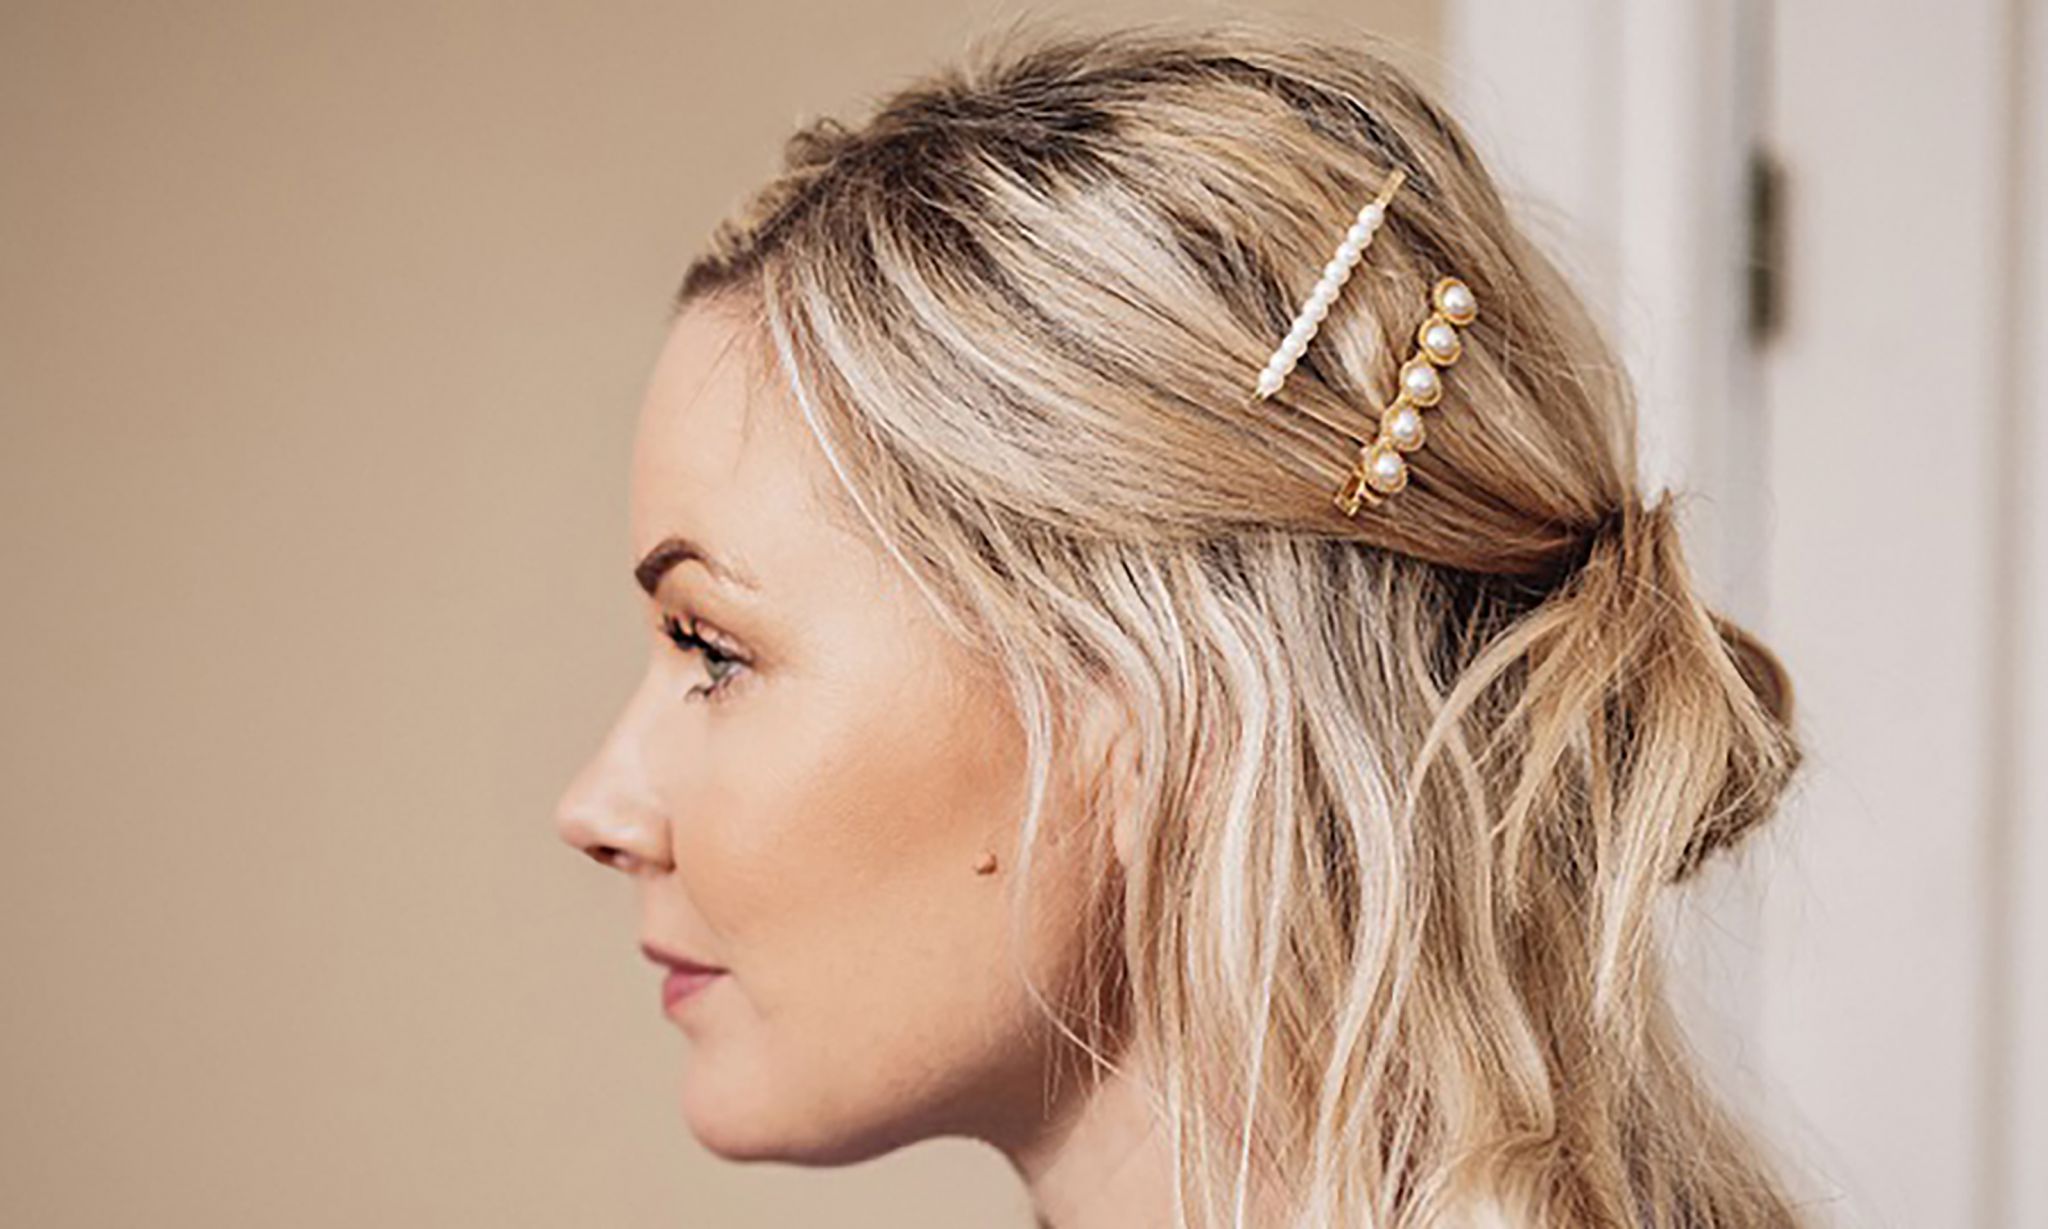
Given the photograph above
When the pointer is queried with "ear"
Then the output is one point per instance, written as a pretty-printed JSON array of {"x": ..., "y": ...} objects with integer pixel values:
[{"x": 1107, "y": 753}]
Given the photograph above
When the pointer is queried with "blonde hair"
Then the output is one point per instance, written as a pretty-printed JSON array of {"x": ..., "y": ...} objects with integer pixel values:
[{"x": 1407, "y": 786}]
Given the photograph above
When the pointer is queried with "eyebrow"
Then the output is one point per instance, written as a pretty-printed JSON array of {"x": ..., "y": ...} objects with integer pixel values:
[{"x": 673, "y": 550}]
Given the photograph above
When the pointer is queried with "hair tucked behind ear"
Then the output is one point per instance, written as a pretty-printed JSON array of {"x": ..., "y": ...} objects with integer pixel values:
[{"x": 1407, "y": 786}]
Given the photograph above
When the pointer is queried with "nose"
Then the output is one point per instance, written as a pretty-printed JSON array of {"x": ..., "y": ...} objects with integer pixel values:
[{"x": 608, "y": 810}]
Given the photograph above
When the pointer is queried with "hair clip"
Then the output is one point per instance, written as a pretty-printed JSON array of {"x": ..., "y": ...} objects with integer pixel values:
[
  {"x": 1382, "y": 468},
  {"x": 1335, "y": 274}
]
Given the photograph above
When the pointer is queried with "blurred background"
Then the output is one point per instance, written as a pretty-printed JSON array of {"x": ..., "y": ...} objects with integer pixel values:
[{"x": 322, "y": 329}]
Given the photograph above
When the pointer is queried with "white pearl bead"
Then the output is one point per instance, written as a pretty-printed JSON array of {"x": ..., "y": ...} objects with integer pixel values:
[
  {"x": 1421, "y": 382},
  {"x": 1458, "y": 300},
  {"x": 1337, "y": 270},
  {"x": 1441, "y": 339},
  {"x": 1373, "y": 214},
  {"x": 1405, "y": 425},
  {"x": 1319, "y": 308},
  {"x": 1358, "y": 236},
  {"x": 1388, "y": 466}
]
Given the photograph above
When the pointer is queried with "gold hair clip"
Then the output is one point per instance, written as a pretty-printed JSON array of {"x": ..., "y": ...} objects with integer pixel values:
[{"x": 1382, "y": 468}]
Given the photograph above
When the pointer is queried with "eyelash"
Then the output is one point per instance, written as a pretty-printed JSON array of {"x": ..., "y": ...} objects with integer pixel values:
[{"x": 714, "y": 656}]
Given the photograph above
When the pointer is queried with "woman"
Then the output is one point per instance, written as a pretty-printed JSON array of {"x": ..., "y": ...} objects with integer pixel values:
[{"x": 1034, "y": 750}]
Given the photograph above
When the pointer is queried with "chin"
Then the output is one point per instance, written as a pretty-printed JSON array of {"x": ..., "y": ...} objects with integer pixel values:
[
  {"x": 744, "y": 1122},
  {"x": 744, "y": 1119}
]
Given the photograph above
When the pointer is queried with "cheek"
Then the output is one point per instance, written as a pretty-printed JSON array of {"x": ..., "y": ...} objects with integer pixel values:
[
  {"x": 831, "y": 849},
  {"x": 837, "y": 851}
]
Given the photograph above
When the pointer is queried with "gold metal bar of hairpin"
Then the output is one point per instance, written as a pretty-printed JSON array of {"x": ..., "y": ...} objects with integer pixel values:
[{"x": 1394, "y": 181}]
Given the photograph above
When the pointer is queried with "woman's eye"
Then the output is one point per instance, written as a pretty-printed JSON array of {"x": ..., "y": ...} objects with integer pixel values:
[{"x": 718, "y": 663}]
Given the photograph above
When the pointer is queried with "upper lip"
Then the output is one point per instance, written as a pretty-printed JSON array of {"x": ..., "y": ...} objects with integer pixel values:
[{"x": 661, "y": 955}]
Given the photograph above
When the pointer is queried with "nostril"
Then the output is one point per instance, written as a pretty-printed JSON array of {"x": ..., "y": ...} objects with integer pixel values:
[
  {"x": 618, "y": 859},
  {"x": 610, "y": 837}
]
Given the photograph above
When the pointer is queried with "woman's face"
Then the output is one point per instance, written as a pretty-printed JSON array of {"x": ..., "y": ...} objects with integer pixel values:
[{"x": 804, "y": 806}]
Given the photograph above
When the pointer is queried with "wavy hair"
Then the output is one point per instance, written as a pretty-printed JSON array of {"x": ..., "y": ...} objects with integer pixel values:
[{"x": 1405, "y": 787}]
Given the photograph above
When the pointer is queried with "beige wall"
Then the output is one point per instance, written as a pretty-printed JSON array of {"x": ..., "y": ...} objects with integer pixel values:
[{"x": 321, "y": 331}]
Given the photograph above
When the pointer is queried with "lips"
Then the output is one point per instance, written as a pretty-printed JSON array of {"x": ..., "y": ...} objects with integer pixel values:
[
  {"x": 685, "y": 976},
  {"x": 674, "y": 960},
  {"x": 680, "y": 985}
]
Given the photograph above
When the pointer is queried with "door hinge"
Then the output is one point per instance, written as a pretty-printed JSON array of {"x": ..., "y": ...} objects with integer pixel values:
[{"x": 1764, "y": 244}]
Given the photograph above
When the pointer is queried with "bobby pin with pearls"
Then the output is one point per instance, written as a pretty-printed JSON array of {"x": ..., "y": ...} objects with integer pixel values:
[{"x": 1382, "y": 467}]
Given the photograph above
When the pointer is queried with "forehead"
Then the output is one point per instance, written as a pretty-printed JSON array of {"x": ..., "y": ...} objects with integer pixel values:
[{"x": 718, "y": 455}]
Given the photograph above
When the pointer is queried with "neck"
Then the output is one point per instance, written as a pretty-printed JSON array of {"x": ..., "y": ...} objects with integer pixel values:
[{"x": 1102, "y": 1161}]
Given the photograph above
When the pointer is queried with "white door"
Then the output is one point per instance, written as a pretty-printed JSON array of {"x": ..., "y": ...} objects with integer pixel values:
[{"x": 1872, "y": 980}]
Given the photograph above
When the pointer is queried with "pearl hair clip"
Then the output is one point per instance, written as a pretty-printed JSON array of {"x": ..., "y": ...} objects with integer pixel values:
[
  {"x": 1382, "y": 468},
  {"x": 1335, "y": 274}
]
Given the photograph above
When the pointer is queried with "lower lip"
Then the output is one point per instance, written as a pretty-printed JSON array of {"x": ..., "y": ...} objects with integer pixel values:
[{"x": 683, "y": 983}]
